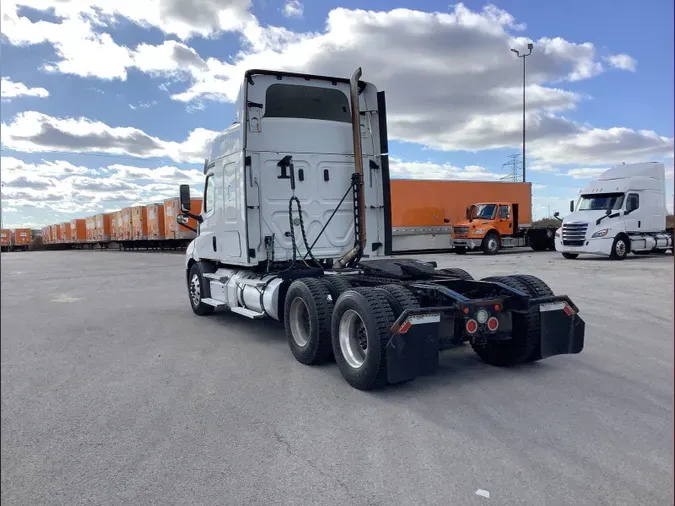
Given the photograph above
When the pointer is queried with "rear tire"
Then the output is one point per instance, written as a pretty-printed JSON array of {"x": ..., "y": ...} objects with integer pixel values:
[
  {"x": 525, "y": 337},
  {"x": 570, "y": 256},
  {"x": 197, "y": 291},
  {"x": 336, "y": 285},
  {"x": 490, "y": 243},
  {"x": 360, "y": 331},
  {"x": 307, "y": 313},
  {"x": 399, "y": 297}
]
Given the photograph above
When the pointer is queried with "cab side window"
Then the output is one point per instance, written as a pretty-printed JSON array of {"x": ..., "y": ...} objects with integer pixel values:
[
  {"x": 503, "y": 212},
  {"x": 633, "y": 202},
  {"x": 209, "y": 194}
]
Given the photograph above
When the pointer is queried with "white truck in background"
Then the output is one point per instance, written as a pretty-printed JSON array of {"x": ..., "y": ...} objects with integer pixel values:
[{"x": 623, "y": 211}]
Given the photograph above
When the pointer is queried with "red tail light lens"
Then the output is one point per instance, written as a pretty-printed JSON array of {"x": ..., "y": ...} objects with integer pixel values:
[
  {"x": 493, "y": 324},
  {"x": 471, "y": 326}
]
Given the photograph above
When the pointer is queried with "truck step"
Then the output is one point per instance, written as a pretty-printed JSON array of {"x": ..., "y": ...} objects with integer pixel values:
[
  {"x": 211, "y": 275},
  {"x": 247, "y": 313},
  {"x": 212, "y": 302}
]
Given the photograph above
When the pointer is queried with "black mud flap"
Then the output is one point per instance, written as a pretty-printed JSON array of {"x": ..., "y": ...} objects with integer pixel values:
[
  {"x": 562, "y": 329},
  {"x": 413, "y": 348}
]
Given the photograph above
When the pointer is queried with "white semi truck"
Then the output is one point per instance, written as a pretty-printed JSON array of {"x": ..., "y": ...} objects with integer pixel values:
[
  {"x": 623, "y": 211},
  {"x": 295, "y": 226}
]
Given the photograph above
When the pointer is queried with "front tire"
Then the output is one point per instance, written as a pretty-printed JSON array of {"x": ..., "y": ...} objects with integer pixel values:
[
  {"x": 570, "y": 256},
  {"x": 197, "y": 291},
  {"x": 620, "y": 248},
  {"x": 491, "y": 243},
  {"x": 460, "y": 250},
  {"x": 360, "y": 331}
]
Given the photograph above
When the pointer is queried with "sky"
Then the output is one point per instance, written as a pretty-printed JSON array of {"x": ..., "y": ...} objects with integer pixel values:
[{"x": 111, "y": 103}]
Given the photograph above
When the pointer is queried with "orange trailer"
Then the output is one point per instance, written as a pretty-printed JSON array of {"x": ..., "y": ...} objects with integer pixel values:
[
  {"x": 78, "y": 230},
  {"x": 156, "y": 221},
  {"x": 103, "y": 226},
  {"x": 139, "y": 223},
  {"x": 5, "y": 237},
  {"x": 116, "y": 226},
  {"x": 426, "y": 203},
  {"x": 172, "y": 209},
  {"x": 124, "y": 228},
  {"x": 65, "y": 232},
  {"x": 22, "y": 237},
  {"x": 90, "y": 228}
]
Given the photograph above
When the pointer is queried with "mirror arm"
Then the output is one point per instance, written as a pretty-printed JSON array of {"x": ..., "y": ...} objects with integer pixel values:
[
  {"x": 197, "y": 217},
  {"x": 189, "y": 228}
]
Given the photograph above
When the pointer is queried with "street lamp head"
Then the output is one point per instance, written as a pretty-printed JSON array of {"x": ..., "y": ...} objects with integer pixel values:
[{"x": 530, "y": 46}]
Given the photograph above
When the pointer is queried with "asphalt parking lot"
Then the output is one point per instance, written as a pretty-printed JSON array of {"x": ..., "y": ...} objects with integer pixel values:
[{"x": 113, "y": 392}]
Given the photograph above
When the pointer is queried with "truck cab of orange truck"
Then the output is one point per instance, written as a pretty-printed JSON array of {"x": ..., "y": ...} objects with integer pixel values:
[{"x": 491, "y": 226}]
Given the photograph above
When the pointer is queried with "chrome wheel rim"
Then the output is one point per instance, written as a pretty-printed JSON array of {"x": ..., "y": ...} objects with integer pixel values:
[
  {"x": 620, "y": 248},
  {"x": 299, "y": 316},
  {"x": 353, "y": 338},
  {"x": 492, "y": 244},
  {"x": 195, "y": 290}
]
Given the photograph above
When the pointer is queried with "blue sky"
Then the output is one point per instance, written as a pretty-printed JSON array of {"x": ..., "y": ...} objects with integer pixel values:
[{"x": 108, "y": 104}]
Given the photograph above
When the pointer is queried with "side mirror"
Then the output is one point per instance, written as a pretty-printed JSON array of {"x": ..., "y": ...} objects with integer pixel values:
[
  {"x": 446, "y": 220},
  {"x": 185, "y": 198},
  {"x": 556, "y": 214},
  {"x": 571, "y": 206}
]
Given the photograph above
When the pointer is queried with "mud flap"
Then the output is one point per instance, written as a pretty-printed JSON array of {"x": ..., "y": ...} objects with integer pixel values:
[
  {"x": 413, "y": 348},
  {"x": 562, "y": 329}
]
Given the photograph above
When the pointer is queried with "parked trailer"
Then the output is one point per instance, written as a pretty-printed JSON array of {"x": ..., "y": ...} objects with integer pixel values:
[
  {"x": 5, "y": 239},
  {"x": 21, "y": 238},
  {"x": 90, "y": 226},
  {"x": 279, "y": 244},
  {"x": 78, "y": 231},
  {"x": 156, "y": 224},
  {"x": 173, "y": 233},
  {"x": 103, "y": 223}
]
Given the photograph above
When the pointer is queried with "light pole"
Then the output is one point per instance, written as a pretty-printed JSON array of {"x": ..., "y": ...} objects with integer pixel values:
[{"x": 523, "y": 56}]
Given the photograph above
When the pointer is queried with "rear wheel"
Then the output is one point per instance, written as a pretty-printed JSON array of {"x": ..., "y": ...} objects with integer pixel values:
[
  {"x": 491, "y": 243},
  {"x": 336, "y": 285},
  {"x": 360, "y": 330},
  {"x": 197, "y": 291},
  {"x": 525, "y": 336},
  {"x": 307, "y": 312},
  {"x": 570, "y": 256}
]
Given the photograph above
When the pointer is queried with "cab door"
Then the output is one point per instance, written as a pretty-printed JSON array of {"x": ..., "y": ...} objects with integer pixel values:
[{"x": 504, "y": 222}]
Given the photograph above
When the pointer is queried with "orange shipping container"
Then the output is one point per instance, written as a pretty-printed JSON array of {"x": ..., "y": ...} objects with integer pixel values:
[
  {"x": 90, "y": 227},
  {"x": 103, "y": 226},
  {"x": 139, "y": 223},
  {"x": 52, "y": 233},
  {"x": 124, "y": 231},
  {"x": 156, "y": 221},
  {"x": 59, "y": 232},
  {"x": 65, "y": 232},
  {"x": 425, "y": 203},
  {"x": 22, "y": 236},
  {"x": 5, "y": 237},
  {"x": 78, "y": 230},
  {"x": 171, "y": 228}
]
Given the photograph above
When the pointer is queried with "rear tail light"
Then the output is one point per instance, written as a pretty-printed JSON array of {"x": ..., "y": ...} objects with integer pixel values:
[
  {"x": 471, "y": 326},
  {"x": 493, "y": 324}
]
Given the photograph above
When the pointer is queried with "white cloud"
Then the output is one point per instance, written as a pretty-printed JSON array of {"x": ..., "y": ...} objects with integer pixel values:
[
  {"x": 293, "y": 9},
  {"x": 62, "y": 188},
  {"x": 10, "y": 90},
  {"x": 622, "y": 62},
  {"x": 431, "y": 170},
  {"x": 32, "y": 131},
  {"x": 458, "y": 90},
  {"x": 586, "y": 172}
]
